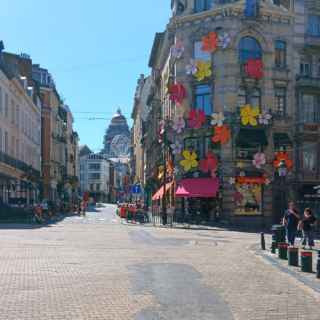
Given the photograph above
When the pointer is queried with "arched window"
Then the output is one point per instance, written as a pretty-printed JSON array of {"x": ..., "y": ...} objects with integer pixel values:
[{"x": 249, "y": 48}]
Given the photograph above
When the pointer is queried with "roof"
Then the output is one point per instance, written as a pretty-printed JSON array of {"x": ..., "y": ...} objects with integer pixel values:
[{"x": 155, "y": 47}]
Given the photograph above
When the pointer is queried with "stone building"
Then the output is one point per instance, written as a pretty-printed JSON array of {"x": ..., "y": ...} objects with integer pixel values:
[
  {"x": 240, "y": 60},
  {"x": 59, "y": 141},
  {"x": 20, "y": 138},
  {"x": 117, "y": 138}
]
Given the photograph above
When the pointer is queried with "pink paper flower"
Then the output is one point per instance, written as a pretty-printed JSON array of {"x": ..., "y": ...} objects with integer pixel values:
[
  {"x": 177, "y": 50},
  {"x": 259, "y": 160},
  {"x": 179, "y": 124},
  {"x": 177, "y": 93},
  {"x": 197, "y": 118}
]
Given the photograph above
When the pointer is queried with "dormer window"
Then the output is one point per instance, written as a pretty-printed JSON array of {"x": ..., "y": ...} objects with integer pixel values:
[{"x": 203, "y": 5}]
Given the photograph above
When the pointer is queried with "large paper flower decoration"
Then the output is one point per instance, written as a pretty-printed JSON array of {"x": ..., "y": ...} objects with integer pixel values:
[
  {"x": 191, "y": 68},
  {"x": 209, "y": 164},
  {"x": 177, "y": 93},
  {"x": 283, "y": 156},
  {"x": 197, "y": 118},
  {"x": 178, "y": 124},
  {"x": 224, "y": 40},
  {"x": 203, "y": 70},
  {"x": 190, "y": 160},
  {"x": 254, "y": 68},
  {"x": 221, "y": 134},
  {"x": 265, "y": 118},
  {"x": 177, "y": 50},
  {"x": 176, "y": 147},
  {"x": 210, "y": 42},
  {"x": 249, "y": 115},
  {"x": 259, "y": 160},
  {"x": 217, "y": 119}
]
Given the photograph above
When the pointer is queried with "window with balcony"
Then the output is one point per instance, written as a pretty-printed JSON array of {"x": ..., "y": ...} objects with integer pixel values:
[
  {"x": 203, "y": 98},
  {"x": 94, "y": 176},
  {"x": 310, "y": 108},
  {"x": 203, "y": 5},
  {"x": 313, "y": 28},
  {"x": 252, "y": 96},
  {"x": 280, "y": 54},
  {"x": 305, "y": 69},
  {"x": 249, "y": 48},
  {"x": 309, "y": 157},
  {"x": 280, "y": 101}
]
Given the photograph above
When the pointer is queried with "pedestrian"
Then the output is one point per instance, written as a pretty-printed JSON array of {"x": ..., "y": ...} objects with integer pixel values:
[
  {"x": 306, "y": 224},
  {"x": 290, "y": 221}
]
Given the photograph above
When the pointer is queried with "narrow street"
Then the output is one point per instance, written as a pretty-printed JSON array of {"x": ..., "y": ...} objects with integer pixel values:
[{"x": 97, "y": 268}]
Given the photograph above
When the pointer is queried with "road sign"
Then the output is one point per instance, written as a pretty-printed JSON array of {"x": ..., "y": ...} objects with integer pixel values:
[{"x": 136, "y": 189}]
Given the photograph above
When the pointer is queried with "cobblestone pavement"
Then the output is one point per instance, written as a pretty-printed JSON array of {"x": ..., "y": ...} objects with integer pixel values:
[{"x": 97, "y": 268}]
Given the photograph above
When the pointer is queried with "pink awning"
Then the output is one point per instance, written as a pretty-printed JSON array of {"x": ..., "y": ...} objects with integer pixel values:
[
  {"x": 159, "y": 194},
  {"x": 198, "y": 188}
]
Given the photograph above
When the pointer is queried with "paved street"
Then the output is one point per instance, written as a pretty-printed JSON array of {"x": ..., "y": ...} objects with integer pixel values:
[{"x": 97, "y": 268}]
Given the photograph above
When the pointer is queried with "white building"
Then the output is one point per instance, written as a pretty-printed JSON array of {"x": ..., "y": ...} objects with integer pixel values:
[
  {"x": 20, "y": 132},
  {"x": 95, "y": 176}
]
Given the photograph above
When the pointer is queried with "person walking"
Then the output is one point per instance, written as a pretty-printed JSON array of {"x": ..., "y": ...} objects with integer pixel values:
[
  {"x": 306, "y": 224},
  {"x": 290, "y": 221}
]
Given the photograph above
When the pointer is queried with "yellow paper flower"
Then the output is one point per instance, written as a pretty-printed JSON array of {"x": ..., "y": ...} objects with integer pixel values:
[
  {"x": 203, "y": 70},
  {"x": 190, "y": 160},
  {"x": 249, "y": 115}
]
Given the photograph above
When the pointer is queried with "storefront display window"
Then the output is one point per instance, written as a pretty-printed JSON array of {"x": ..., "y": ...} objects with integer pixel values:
[{"x": 248, "y": 199}]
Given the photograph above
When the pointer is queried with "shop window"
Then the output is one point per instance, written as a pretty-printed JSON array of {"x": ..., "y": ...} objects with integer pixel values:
[
  {"x": 309, "y": 157},
  {"x": 249, "y": 48},
  {"x": 280, "y": 101},
  {"x": 280, "y": 54},
  {"x": 249, "y": 199},
  {"x": 203, "y": 98}
]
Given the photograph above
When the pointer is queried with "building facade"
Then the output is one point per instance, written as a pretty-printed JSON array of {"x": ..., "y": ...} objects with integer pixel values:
[
  {"x": 95, "y": 176},
  {"x": 20, "y": 138},
  {"x": 234, "y": 109}
]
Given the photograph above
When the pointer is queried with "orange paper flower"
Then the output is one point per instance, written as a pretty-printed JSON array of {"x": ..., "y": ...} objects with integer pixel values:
[
  {"x": 221, "y": 134},
  {"x": 210, "y": 42},
  {"x": 283, "y": 156}
]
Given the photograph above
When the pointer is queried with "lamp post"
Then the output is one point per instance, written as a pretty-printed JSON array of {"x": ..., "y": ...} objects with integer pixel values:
[{"x": 282, "y": 173}]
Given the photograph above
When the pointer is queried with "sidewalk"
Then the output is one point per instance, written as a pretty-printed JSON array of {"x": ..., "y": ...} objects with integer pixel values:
[{"x": 308, "y": 279}]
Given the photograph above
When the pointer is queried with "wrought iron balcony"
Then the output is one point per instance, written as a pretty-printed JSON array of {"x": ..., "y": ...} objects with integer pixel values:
[{"x": 308, "y": 81}]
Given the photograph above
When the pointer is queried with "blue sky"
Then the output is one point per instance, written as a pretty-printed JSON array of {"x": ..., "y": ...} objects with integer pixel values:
[{"x": 94, "y": 49}]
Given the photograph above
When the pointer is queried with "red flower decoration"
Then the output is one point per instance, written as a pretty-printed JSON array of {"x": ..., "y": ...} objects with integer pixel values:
[
  {"x": 210, "y": 42},
  {"x": 177, "y": 93},
  {"x": 221, "y": 134},
  {"x": 254, "y": 68},
  {"x": 283, "y": 156},
  {"x": 196, "y": 119},
  {"x": 209, "y": 164}
]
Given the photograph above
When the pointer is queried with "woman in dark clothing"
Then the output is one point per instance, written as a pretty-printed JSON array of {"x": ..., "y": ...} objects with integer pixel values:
[
  {"x": 291, "y": 220},
  {"x": 306, "y": 225}
]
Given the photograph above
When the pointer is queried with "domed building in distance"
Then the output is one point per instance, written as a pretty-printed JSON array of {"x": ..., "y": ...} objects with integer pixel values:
[{"x": 117, "y": 137}]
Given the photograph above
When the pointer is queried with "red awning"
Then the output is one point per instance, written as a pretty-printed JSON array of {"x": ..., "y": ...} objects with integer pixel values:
[
  {"x": 198, "y": 188},
  {"x": 159, "y": 194}
]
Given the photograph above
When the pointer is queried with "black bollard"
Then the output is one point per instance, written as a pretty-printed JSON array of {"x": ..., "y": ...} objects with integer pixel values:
[
  {"x": 318, "y": 265},
  {"x": 263, "y": 242}
]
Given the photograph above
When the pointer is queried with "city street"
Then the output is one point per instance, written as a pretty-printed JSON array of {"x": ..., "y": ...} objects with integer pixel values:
[{"x": 98, "y": 268}]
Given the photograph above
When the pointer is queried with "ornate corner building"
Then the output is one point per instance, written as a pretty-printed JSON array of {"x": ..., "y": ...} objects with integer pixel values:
[{"x": 235, "y": 99}]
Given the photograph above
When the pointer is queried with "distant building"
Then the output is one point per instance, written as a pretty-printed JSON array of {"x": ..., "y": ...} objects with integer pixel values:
[
  {"x": 117, "y": 138},
  {"x": 95, "y": 176}
]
